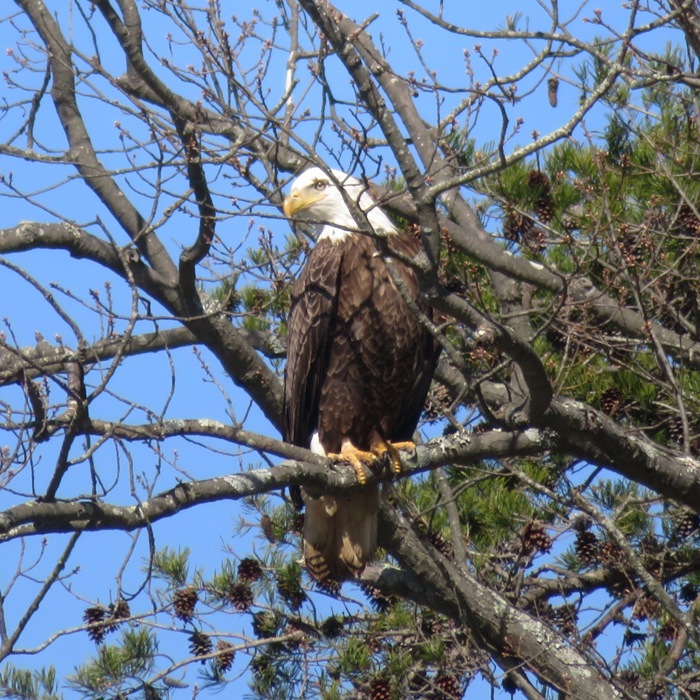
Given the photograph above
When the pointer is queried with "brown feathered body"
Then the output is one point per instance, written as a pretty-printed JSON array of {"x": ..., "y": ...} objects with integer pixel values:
[{"x": 359, "y": 367}]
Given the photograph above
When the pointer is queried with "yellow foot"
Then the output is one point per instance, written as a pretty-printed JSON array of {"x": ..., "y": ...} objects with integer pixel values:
[
  {"x": 379, "y": 452},
  {"x": 384, "y": 448},
  {"x": 358, "y": 459}
]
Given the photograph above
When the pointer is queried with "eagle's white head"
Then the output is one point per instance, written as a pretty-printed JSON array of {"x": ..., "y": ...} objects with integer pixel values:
[{"x": 316, "y": 197}]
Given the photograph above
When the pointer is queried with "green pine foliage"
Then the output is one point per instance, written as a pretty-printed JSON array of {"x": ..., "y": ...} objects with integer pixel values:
[
  {"x": 171, "y": 565},
  {"x": 622, "y": 212},
  {"x": 121, "y": 667},
  {"x": 20, "y": 684}
]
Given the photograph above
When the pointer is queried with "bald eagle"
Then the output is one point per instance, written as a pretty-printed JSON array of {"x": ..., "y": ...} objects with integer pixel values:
[{"x": 359, "y": 361}]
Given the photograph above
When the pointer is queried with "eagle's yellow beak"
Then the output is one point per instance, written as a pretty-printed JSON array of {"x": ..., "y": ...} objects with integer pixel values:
[{"x": 298, "y": 201}]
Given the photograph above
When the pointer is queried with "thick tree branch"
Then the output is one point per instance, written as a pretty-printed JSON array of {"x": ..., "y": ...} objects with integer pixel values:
[
  {"x": 194, "y": 254},
  {"x": 313, "y": 473},
  {"x": 689, "y": 21},
  {"x": 231, "y": 345},
  {"x": 588, "y": 434},
  {"x": 45, "y": 359},
  {"x": 594, "y": 437},
  {"x": 81, "y": 245},
  {"x": 509, "y": 634}
]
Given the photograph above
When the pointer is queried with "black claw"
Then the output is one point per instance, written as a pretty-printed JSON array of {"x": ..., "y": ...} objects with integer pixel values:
[{"x": 379, "y": 465}]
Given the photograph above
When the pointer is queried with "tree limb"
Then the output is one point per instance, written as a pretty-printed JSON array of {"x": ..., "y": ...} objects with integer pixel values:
[
  {"x": 510, "y": 635},
  {"x": 81, "y": 150},
  {"x": 37, "y": 517}
]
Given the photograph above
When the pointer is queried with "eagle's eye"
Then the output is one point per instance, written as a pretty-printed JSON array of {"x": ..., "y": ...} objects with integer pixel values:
[{"x": 320, "y": 185}]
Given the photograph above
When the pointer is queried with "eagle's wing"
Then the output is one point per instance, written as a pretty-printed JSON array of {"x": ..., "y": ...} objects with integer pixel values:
[
  {"x": 404, "y": 245},
  {"x": 313, "y": 308}
]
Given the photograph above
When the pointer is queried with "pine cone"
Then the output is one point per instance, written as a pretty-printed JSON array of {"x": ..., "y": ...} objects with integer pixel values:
[
  {"x": 610, "y": 553},
  {"x": 117, "y": 612},
  {"x": 564, "y": 617},
  {"x": 544, "y": 204},
  {"x": 240, "y": 596},
  {"x": 630, "y": 247},
  {"x": 537, "y": 180},
  {"x": 224, "y": 660},
  {"x": 380, "y": 689},
  {"x": 687, "y": 221},
  {"x": 689, "y": 592},
  {"x": 249, "y": 570},
  {"x": 611, "y": 402},
  {"x": 655, "y": 220},
  {"x": 621, "y": 587},
  {"x": 535, "y": 238},
  {"x": 675, "y": 429},
  {"x": 437, "y": 402},
  {"x": 200, "y": 644},
  {"x": 332, "y": 627},
  {"x": 669, "y": 630},
  {"x": 268, "y": 528},
  {"x": 94, "y": 615},
  {"x": 514, "y": 224},
  {"x": 448, "y": 686},
  {"x": 535, "y": 538},
  {"x": 441, "y": 544},
  {"x": 544, "y": 208},
  {"x": 184, "y": 601},
  {"x": 629, "y": 678},
  {"x": 686, "y": 524},
  {"x": 509, "y": 686},
  {"x": 430, "y": 624},
  {"x": 264, "y": 624},
  {"x": 557, "y": 337},
  {"x": 646, "y": 608},
  {"x": 586, "y": 547},
  {"x": 121, "y": 610}
]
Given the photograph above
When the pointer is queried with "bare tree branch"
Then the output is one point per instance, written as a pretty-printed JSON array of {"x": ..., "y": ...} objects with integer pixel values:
[{"x": 43, "y": 517}]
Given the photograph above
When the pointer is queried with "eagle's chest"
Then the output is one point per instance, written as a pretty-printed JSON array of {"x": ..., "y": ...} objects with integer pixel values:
[{"x": 375, "y": 337}]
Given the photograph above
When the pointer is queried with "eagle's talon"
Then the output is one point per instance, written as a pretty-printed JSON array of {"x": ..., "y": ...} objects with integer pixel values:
[
  {"x": 390, "y": 450},
  {"x": 359, "y": 471},
  {"x": 358, "y": 460},
  {"x": 382, "y": 453}
]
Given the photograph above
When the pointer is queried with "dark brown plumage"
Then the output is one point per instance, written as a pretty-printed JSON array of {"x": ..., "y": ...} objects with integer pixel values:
[{"x": 359, "y": 362}]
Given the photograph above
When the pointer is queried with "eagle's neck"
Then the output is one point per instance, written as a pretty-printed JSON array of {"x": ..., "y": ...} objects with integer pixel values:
[
  {"x": 344, "y": 225},
  {"x": 333, "y": 234}
]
